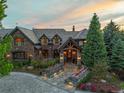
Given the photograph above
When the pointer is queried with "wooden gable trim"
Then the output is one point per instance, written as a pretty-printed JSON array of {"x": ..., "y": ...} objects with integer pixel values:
[
  {"x": 45, "y": 36},
  {"x": 56, "y": 35},
  {"x": 70, "y": 39},
  {"x": 17, "y": 29}
]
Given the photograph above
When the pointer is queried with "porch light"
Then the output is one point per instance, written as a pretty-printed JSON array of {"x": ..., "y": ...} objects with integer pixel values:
[
  {"x": 65, "y": 53},
  {"x": 61, "y": 58},
  {"x": 69, "y": 50},
  {"x": 79, "y": 58},
  {"x": 55, "y": 75},
  {"x": 40, "y": 52},
  {"x": 45, "y": 77},
  {"x": 85, "y": 41},
  {"x": 73, "y": 52},
  {"x": 30, "y": 55},
  {"x": 8, "y": 55},
  {"x": 69, "y": 85}
]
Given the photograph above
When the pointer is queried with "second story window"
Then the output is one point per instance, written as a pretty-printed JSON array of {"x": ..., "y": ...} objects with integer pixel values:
[
  {"x": 19, "y": 41},
  {"x": 56, "y": 40},
  {"x": 44, "y": 40}
]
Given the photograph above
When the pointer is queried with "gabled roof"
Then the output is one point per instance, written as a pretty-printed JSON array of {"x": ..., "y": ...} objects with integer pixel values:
[
  {"x": 4, "y": 32},
  {"x": 28, "y": 33},
  {"x": 82, "y": 34},
  {"x": 35, "y": 34},
  {"x": 69, "y": 40},
  {"x": 50, "y": 33}
]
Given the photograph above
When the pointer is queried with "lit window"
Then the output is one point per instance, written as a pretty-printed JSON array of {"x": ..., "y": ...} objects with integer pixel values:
[
  {"x": 56, "y": 40},
  {"x": 44, "y": 40},
  {"x": 19, "y": 41}
]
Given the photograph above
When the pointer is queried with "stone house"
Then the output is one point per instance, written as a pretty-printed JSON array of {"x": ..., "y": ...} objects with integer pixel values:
[{"x": 41, "y": 44}]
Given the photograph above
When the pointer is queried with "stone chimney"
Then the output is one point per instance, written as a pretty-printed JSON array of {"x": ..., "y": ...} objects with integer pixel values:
[{"x": 73, "y": 28}]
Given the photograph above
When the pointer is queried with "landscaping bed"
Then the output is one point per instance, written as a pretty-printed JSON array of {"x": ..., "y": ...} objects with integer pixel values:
[
  {"x": 99, "y": 87},
  {"x": 34, "y": 67}
]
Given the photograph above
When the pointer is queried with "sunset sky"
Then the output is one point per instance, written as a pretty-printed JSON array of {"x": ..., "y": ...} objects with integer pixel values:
[{"x": 62, "y": 13}]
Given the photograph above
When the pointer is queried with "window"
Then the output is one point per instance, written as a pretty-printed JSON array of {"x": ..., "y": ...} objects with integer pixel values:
[
  {"x": 80, "y": 43},
  {"x": 56, "y": 40},
  {"x": 19, "y": 41},
  {"x": 45, "y": 53},
  {"x": 56, "y": 53},
  {"x": 44, "y": 40},
  {"x": 19, "y": 55}
]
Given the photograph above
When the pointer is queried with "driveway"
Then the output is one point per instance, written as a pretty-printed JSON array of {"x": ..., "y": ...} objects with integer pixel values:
[{"x": 18, "y": 82}]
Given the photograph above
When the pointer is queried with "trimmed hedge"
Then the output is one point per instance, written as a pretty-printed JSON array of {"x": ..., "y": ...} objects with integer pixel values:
[{"x": 44, "y": 63}]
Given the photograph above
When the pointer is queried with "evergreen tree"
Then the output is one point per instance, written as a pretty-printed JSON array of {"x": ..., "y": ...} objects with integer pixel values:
[
  {"x": 109, "y": 31},
  {"x": 3, "y": 6},
  {"x": 94, "y": 50},
  {"x": 5, "y": 44},
  {"x": 5, "y": 47},
  {"x": 117, "y": 61}
]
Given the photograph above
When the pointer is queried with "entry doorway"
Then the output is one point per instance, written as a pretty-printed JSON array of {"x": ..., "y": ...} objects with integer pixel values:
[{"x": 70, "y": 56}]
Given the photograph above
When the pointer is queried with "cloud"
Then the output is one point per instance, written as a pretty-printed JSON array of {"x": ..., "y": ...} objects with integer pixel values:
[{"x": 61, "y": 13}]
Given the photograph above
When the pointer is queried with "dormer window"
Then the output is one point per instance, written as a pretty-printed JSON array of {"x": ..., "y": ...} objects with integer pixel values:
[
  {"x": 19, "y": 41},
  {"x": 56, "y": 40},
  {"x": 44, "y": 40}
]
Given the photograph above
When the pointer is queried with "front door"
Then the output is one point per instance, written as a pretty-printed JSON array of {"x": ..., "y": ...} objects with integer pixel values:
[{"x": 70, "y": 56}]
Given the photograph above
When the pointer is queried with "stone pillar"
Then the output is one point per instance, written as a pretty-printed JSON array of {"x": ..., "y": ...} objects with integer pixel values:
[
  {"x": 78, "y": 57},
  {"x": 61, "y": 57}
]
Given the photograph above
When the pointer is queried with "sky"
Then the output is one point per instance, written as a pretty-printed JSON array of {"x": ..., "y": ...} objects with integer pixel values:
[{"x": 62, "y": 13}]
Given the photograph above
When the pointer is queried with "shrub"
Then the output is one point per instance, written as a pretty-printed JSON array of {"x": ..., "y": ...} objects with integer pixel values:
[
  {"x": 122, "y": 85},
  {"x": 44, "y": 63},
  {"x": 5, "y": 68},
  {"x": 82, "y": 86},
  {"x": 20, "y": 64},
  {"x": 86, "y": 78}
]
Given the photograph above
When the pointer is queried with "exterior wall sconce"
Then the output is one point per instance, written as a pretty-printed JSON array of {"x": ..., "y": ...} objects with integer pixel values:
[
  {"x": 30, "y": 55},
  {"x": 65, "y": 53},
  {"x": 79, "y": 58},
  {"x": 8, "y": 56},
  {"x": 61, "y": 58},
  {"x": 40, "y": 52},
  {"x": 69, "y": 50},
  {"x": 85, "y": 41}
]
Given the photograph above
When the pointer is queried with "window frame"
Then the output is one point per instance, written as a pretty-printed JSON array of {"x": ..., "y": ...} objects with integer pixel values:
[{"x": 19, "y": 43}]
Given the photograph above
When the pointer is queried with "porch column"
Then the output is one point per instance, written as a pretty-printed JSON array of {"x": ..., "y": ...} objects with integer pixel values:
[
  {"x": 78, "y": 57},
  {"x": 61, "y": 57}
]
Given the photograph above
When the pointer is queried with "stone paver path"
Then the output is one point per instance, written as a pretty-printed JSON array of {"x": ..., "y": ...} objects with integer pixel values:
[{"x": 59, "y": 78}]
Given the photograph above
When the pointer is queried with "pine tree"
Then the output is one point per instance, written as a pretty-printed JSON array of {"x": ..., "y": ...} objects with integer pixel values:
[
  {"x": 5, "y": 44},
  {"x": 117, "y": 61},
  {"x": 94, "y": 50},
  {"x": 109, "y": 31},
  {"x": 3, "y": 6}
]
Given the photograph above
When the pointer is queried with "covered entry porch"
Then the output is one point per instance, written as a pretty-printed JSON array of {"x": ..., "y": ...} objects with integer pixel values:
[{"x": 70, "y": 52}]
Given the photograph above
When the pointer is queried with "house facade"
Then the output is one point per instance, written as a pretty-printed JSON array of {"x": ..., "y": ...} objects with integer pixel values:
[{"x": 39, "y": 44}]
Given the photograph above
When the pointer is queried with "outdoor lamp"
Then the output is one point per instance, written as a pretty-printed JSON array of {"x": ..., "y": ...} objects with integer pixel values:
[
  {"x": 8, "y": 55},
  {"x": 79, "y": 58}
]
